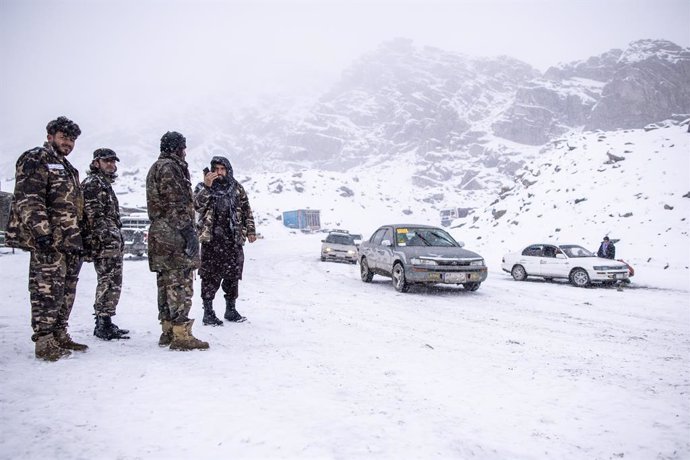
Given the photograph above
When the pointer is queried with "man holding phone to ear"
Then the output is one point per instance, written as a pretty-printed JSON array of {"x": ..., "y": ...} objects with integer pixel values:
[{"x": 225, "y": 223}]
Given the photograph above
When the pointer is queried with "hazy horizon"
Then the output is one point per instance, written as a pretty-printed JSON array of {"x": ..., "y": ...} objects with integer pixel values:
[{"x": 107, "y": 62}]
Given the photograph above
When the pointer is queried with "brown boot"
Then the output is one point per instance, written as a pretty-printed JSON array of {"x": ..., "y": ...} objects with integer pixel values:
[
  {"x": 167, "y": 335},
  {"x": 65, "y": 341},
  {"x": 183, "y": 338},
  {"x": 48, "y": 349}
]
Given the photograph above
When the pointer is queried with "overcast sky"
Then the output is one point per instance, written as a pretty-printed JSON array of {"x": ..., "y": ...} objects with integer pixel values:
[{"x": 92, "y": 60}]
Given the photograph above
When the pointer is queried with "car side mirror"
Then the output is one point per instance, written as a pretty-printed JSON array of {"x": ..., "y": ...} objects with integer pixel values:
[
  {"x": 323, "y": 241},
  {"x": 386, "y": 243},
  {"x": 560, "y": 256},
  {"x": 461, "y": 244}
]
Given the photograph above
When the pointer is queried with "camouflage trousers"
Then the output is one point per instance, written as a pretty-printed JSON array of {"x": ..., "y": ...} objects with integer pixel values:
[
  {"x": 175, "y": 292},
  {"x": 53, "y": 280},
  {"x": 210, "y": 283},
  {"x": 109, "y": 274}
]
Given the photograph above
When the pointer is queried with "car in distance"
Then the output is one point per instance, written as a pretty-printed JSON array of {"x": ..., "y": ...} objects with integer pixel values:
[
  {"x": 339, "y": 246},
  {"x": 568, "y": 261},
  {"x": 135, "y": 232},
  {"x": 419, "y": 254}
]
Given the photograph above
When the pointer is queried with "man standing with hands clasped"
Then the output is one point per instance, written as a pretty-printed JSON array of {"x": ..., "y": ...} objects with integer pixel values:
[{"x": 225, "y": 222}]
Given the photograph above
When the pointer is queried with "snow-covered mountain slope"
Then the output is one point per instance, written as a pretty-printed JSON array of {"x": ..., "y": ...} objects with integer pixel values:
[
  {"x": 409, "y": 130},
  {"x": 628, "y": 184}
]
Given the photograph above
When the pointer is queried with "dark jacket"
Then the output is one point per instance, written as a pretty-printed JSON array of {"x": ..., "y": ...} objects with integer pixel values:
[
  {"x": 211, "y": 202},
  {"x": 101, "y": 230},
  {"x": 170, "y": 208},
  {"x": 608, "y": 253},
  {"x": 47, "y": 201},
  {"x": 225, "y": 221}
]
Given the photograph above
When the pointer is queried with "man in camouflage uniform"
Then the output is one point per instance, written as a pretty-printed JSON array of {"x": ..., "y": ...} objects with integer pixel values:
[
  {"x": 45, "y": 218},
  {"x": 173, "y": 246},
  {"x": 103, "y": 240},
  {"x": 225, "y": 223}
]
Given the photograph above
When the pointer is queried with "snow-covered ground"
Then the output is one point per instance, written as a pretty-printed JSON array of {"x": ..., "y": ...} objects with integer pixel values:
[{"x": 330, "y": 367}]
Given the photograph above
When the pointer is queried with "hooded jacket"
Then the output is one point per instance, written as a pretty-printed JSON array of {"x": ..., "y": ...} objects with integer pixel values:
[{"x": 226, "y": 197}]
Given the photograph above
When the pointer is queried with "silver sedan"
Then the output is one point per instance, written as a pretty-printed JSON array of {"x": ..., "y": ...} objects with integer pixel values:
[{"x": 419, "y": 254}]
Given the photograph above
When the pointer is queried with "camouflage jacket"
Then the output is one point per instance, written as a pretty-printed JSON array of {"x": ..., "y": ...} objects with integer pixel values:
[
  {"x": 47, "y": 201},
  {"x": 101, "y": 229},
  {"x": 170, "y": 208},
  {"x": 204, "y": 198}
]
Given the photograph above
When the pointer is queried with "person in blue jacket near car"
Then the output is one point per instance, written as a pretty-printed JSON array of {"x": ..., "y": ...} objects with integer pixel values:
[{"x": 606, "y": 249}]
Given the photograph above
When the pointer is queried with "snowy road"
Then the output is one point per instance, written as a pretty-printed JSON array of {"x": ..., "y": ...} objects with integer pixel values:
[{"x": 330, "y": 367}]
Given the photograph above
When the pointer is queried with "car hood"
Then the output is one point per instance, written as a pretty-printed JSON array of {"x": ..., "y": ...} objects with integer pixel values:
[
  {"x": 438, "y": 252},
  {"x": 600, "y": 261}
]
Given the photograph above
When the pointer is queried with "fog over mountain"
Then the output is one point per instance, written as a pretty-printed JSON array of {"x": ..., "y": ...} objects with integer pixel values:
[{"x": 464, "y": 123}]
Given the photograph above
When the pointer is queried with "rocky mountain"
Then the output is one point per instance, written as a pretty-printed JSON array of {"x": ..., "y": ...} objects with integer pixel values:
[
  {"x": 647, "y": 82},
  {"x": 462, "y": 126},
  {"x": 651, "y": 82}
]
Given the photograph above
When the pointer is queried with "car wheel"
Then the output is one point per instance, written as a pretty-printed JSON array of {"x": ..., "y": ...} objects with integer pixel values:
[
  {"x": 323, "y": 259},
  {"x": 471, "y": 286},
  {"x": 399, "y": 282},
  {"x": 364, "y": 271},
  {"x": 579, "y": 277},
  {"x": 519, "y": 273}
]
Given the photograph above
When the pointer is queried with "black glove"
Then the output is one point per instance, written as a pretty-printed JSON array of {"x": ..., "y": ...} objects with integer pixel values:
[
  {"x": 191, "y": 241},
  {"x": 44, "y": 243}
]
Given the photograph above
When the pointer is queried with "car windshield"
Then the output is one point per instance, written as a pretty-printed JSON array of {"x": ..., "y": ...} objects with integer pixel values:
[
  {"x": 411, "y": 236},
  {"x": 340, "y": 239},
  {"x": 573, "y": 250}
]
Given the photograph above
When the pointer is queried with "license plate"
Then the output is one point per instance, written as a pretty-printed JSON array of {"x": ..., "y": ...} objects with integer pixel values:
[
  {"x": 454, "y": 278},
  {"x": 619, "y": 276}
]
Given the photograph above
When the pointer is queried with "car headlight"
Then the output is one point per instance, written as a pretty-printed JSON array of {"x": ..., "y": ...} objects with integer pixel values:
[
  {"x": 350, "y": 252},
  {"x": 479, "y": 262},
  {"x": 327, "y": 250},
  {"x": 418, "y": 261}
]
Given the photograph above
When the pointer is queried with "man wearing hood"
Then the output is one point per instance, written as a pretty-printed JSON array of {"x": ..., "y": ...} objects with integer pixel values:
[
  {"x": 225, "y": 223},
  {"x": 103, "y": 240},
  {"x": 173, "y": 245}
]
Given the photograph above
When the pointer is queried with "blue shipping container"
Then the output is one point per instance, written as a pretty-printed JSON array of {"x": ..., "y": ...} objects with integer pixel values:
[{"x": 303, "y": 219}]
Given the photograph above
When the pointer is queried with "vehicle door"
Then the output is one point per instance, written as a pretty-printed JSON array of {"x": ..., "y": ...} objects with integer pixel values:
[
  {"x": 551, "y": 265},
  {"x": 531, "y": 259},
  {"x": 386, "y": 251},
  {"x": 372, "y": 250}
]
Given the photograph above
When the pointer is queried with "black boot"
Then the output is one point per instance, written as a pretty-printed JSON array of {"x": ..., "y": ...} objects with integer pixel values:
[
  {"x": 231, "y": 314},
  {"x": 119, "y": 331},
  {"x": 210, "y": 318},
  {"x": 104, "y": 329}
]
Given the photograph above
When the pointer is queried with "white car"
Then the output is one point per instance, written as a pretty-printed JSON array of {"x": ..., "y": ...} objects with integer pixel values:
[
  {"x": 568, "y": 261},
  {"x": 339, "y": 246}
]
